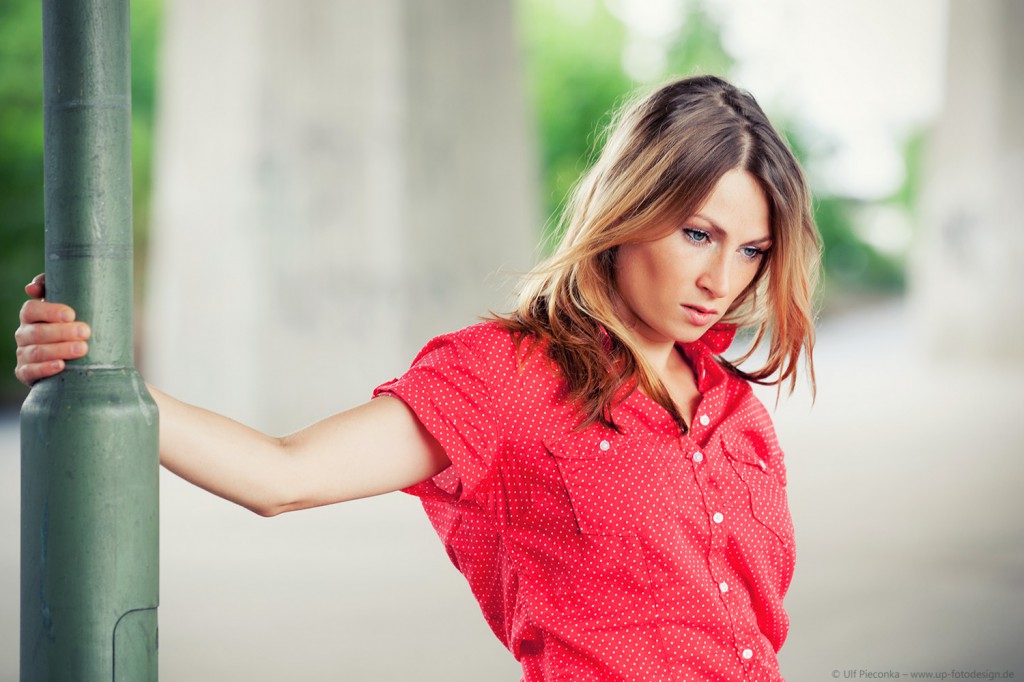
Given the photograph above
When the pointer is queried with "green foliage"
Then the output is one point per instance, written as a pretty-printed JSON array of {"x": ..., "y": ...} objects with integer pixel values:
[
  {"x": 574, "y": 60},
  {"x": 21, "y": 160},
  {"x": 146, "y": 16},
  {"x": 698, "y": 47},
  {"x": 913, "y": 154},
  {"x": 21, "y": 166},
  {"x": 575, "y": 80},
  {"x": 852, "y": 267}
]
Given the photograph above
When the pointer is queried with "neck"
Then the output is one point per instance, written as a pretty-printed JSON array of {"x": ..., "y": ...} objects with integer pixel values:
[{"x": 659, "y": 353}]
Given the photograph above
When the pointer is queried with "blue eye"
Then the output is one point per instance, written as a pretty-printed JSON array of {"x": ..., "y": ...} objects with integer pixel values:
[
  {"x": 752, "y": 252},
  {"x": 695, "y": 235}
]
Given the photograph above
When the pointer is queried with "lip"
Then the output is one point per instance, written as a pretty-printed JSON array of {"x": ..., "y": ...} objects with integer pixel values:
[{"x": 699, "y": 315}]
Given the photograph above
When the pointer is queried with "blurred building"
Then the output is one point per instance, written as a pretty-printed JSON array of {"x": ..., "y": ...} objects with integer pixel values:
[
  {"x": 968, "y": 283},
  {"x": 335, "y": 182}
]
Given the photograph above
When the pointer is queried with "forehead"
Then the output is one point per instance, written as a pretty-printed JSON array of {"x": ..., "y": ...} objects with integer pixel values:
[{"x": 737, "y": 205}]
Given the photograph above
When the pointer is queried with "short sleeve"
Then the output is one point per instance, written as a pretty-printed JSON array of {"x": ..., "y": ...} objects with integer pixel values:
[{"x": 451, "y": 387}]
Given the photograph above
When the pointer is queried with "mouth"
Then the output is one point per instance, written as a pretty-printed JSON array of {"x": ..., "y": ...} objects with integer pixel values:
[{"x": 699, "y": 315}]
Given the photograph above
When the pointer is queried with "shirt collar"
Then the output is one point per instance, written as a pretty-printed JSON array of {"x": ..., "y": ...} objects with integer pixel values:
[
  {"x": 716, "y": 339},
  {"x": 701, "y": 354},
  {"x": 709, "y": 374}
]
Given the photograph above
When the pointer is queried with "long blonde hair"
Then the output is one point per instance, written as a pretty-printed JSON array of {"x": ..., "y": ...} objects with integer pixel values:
[{"x": 664, "y": 155}]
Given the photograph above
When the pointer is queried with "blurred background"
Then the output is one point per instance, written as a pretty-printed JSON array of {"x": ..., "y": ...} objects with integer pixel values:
[{"x": 320, "y": 186}]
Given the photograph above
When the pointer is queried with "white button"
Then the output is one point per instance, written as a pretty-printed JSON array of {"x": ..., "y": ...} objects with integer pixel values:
[
  {"x": 761, "y": 464},
  {"x": 698, "y": 457},
  {"x": 748, "y": 654},
  {"x": 718, "y": 518},
  {"x": 704, "y": 420},
  {"x": 724, "y": 587},
  {"x": 605, "y": 445}
]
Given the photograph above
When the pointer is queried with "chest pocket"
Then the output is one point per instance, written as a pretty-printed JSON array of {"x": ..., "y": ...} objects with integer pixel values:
[
  {"x": 614, "y": 498},
  {"x": 759, "y": 465},
  {"x": 617, "y": 483}
]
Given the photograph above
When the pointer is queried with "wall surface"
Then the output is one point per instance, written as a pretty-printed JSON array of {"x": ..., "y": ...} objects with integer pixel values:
[
  {"x": 968, "y": 284},
  {"x": 335, "y": 183}
]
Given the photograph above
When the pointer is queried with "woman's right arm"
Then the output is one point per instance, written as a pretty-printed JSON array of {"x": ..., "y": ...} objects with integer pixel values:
[{"x": 377, "y": 447}]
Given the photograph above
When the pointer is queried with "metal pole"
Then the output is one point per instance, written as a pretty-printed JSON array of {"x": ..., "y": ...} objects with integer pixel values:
[{"x": 89, "y": 524}]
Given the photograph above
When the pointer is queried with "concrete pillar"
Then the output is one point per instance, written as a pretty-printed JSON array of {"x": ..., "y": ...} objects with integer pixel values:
[
  {"x": 967, "y": 279},
  {"x": 335, "y": 182}
]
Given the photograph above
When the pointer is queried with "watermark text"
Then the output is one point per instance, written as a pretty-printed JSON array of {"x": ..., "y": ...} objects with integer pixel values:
[{"x": 950, "y": 674}]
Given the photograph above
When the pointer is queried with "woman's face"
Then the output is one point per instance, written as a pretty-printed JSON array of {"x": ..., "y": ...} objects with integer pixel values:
[{"x": 674, "y": 288}]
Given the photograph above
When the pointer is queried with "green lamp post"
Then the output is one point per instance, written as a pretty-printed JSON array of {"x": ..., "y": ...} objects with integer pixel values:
[{"x": 89, "y": 493}]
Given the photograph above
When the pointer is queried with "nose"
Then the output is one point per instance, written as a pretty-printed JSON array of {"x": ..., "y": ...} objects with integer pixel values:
[{"x": 714, "y": 280}]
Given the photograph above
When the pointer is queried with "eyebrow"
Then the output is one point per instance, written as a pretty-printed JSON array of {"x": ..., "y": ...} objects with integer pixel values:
[{"x": 719, "y": 232}]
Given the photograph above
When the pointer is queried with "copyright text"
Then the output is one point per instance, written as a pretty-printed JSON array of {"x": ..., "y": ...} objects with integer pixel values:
[{"x": 953, "y": 674}]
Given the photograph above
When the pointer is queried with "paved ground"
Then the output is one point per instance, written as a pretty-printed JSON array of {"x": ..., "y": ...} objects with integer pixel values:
[{"x": 904, "y": 484}]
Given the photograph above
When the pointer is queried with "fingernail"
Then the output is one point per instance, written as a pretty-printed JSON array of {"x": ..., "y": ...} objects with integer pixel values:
[
  {"x": 67, "y": 316},
  {"x": 78, "y": 348},
  {"x": 56, "y": 364},
  {"x": 82, "y": 332}
]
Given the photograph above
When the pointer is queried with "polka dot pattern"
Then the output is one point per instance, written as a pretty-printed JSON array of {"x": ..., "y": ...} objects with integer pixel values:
[{"x": 640, "y": 553}]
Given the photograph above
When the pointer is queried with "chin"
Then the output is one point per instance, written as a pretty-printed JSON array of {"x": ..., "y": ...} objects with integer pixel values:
[{"x": 690, "y": 335}]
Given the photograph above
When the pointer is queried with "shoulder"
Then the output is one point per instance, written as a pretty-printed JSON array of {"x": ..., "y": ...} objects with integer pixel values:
[
  {"x": 742, "y": 406},
  {"x": 483, "y": 371},
  {"x": 748, "y": 428},
  {"x": 483, "y": 341},
  {"x": 489, "y": 335},
  {"x": 486, "y": 349}
]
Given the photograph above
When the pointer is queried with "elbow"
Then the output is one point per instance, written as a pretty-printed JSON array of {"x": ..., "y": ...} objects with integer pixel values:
[
  {"x": 264, "y": 510},
  {"x": 270, "y": 508},
  {"x": 268, "y": 503},
  {"x": 260, "y": 507},
  {"x": 272, "y": 495},
  {"x": 287, "y": 489}
]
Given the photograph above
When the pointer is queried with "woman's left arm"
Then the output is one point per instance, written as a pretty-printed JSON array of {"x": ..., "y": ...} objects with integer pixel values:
[{"x": 374, "y": 448}]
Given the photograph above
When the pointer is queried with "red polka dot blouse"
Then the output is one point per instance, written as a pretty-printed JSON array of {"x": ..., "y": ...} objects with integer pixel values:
[{"x": 638, "y": 554}]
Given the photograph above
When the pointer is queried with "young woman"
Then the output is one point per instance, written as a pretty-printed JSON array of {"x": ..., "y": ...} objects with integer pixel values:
[{"x": 609, "y": 486}]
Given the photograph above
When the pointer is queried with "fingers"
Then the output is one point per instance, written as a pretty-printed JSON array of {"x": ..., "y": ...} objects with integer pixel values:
[
  {"x": 30, "y": 374},
  {"x": 37, "y": 287},
  {"x": 38, "y": 361},
  {"x": 48, "y": 336},
  {"x": 50, "y": 333},
  {"x": 44, "y": 311},
  {"x": 48, "y": 353}
]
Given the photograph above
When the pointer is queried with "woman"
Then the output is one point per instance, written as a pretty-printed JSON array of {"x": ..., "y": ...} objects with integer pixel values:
[{"x": 609, "y": 486}]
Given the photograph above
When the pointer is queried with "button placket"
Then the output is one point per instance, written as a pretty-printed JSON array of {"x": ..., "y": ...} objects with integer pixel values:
[{"x": 701, "y": 464}]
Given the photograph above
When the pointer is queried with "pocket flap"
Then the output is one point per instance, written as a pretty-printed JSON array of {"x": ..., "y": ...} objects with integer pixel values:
[
  {"x": 591, "y": 443},
  {"x": 755, "y": 449}
]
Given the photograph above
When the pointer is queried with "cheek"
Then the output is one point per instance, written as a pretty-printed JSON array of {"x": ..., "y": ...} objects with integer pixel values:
[
  {"x": 745, "y": 275},
  {"x": 625, "y": 276},
  {"x": 632, "y": 271},
  {"x": 745, "y": 279}
]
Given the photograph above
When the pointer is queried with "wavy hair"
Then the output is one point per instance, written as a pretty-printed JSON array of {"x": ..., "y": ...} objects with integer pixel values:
[{"x": 663, "y": 157}]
